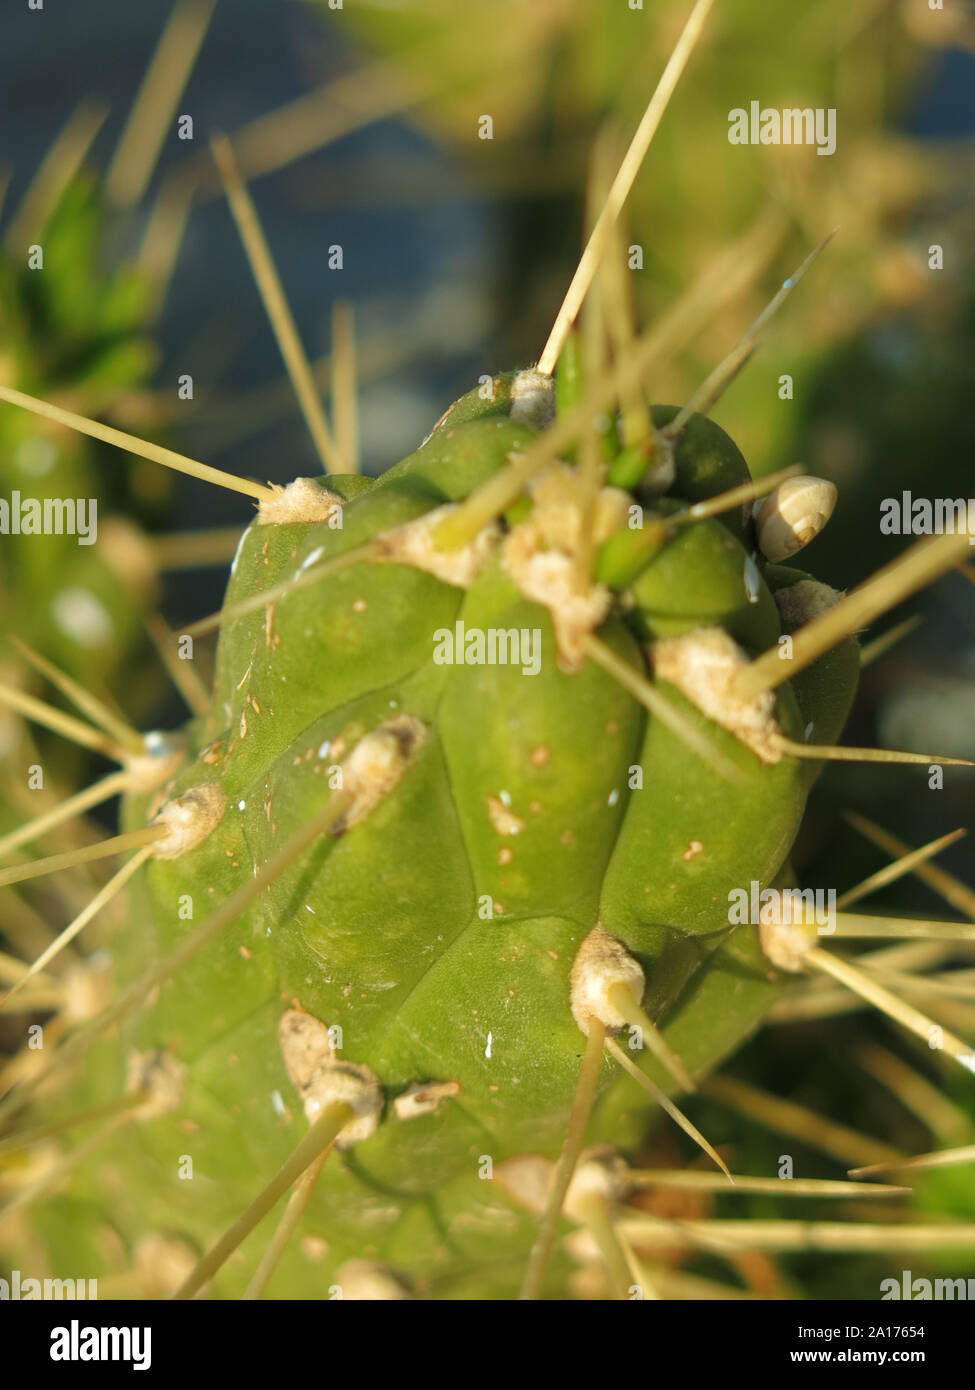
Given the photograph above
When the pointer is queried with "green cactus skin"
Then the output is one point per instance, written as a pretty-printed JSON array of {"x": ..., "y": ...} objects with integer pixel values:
[{"x": 437, "y": 940}]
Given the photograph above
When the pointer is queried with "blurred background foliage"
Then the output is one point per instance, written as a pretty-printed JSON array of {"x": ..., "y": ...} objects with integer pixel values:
[{"x": 457, "y": 251}]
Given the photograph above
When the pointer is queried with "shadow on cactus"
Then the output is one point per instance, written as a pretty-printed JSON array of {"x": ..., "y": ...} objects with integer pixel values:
[{"x": 457, "y": 872}]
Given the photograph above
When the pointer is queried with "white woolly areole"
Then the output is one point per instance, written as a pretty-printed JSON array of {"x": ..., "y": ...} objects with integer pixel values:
[
  {"x": 87, "y": 988},
  {"x": 346, "y": 1083},
  {"x": 413, "y": 544},
  {"x": 321, "y": 1079},
  {"x": 162, "y": 1076},
  {"x": 376, "y": 764},
  {"x": 539, "y": 553},
  {"x": 365, "y": 1281},
  {"x": 701, "y": 665},
  {"x": 602, "y": 963},
  {"x": 592, "y": 1178},
  {"x": 532, "y": 399},
  {"x": 548, "y": 577},
  {"x": 302, "y": 500},
  {"x": 558, "y": 501},
  {"x": 803, "y": 601},
  {"x": 786, "y": 943},
  {"x": 189, "y": 819}
]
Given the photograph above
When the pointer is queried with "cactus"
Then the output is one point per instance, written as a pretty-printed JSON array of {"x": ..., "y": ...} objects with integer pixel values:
[{"x": 442, "y": 877}]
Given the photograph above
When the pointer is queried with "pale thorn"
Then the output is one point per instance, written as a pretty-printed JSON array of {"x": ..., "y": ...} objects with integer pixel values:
[
  {"x": 726, "y": 501},
  {"x": 724, "y": 1236},
  {"x": 89, "y": 705},
  {"x": 345, "y": 386},
  {"x": 142, "y": 448},
  {"x": 56, "y": 172},
  {"x": 949, "y": 1122},
  {"x": 678, "y": 326},
  {"x": 620, "y": 188},
  {"x": 725, "y": 372},
  {"x": 666, "y": 1104},
  {"x": 104, "y": 896},
  {"x": 906, "y": 864},
  {"x": 658, "y": 704},
  {"x": 27, "y": 1138},
  {"x": 939, "y": 1158},
  {"x": 183, "y": 674},
  {"x": 194, "y": 549},
  {"x": 275, "y": 302},
  {"x": 710, "y": 391},
  {"x": 651, "y": 1036},
  {"x": 879, "y": 646},
  {"x": 918, "y": 566},
  {"x": 854, "y": 924},
  {"x": 590, "y": 1201},
  {"x": 951, "y": 889},
  {"x": 582, "y": 1103},
  {"x": 861, "y": 983},
  {"x": 840, "y": 753},
  {"x": 60, "y": 723},
  {"x": 85, "y": 854},
  {"x": 641, "y": 1179},
  {"x": 795, "y": 1121},
  {"x": 952, "y": 984},
  {"x": 328, "y": 1125},
  {"x": 157, "y": 102},
  {"x": 361, "y": 554},
  {"x": 11, "y": 969},
  {"x": 70, "y": 807}
]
